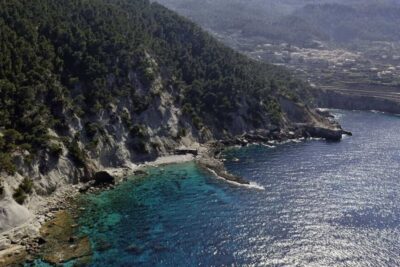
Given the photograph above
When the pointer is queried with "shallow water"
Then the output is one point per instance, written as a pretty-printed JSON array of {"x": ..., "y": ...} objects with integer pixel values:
[{"x": 324, "y": 204}]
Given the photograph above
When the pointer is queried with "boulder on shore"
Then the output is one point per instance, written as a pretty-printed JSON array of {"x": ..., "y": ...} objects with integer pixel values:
[
  {"x": 103, "y": 178},
  {"x": 85, "y": 187},
  {"x": 184, "y": 151}
]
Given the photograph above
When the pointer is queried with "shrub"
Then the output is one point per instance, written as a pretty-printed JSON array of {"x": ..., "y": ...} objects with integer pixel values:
[
  {"x": 274, "y": 111},
  {"x": 141, "y": 147},
  {"x": 25, "y": 146},
  {"x": 26, "y": 185},
  {"x": 182, "y": 132},
  {"x": 197, "y": 122},
  {"x": 126, "y": 119},
  {"x": 6, "y": 163},
  {"x": 55, "y": 149},
  {"x": 187, "y": 109},
  {"x": 12, "y": 136},
  {"x": 91, "y": 129},
  {"x": 23, "y": 190},
  {"x": 92, "y": 144},
  {"x": 149, "y": 76},
  {"x": 140, "y": 103},
  {"x": 19, "y": 196},
  {"x": 139, "y": 130},
  {"x": 77, "y": 154}
]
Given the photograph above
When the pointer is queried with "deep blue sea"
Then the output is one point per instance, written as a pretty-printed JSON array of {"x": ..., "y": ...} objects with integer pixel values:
[{"x": 323, "y": 204}]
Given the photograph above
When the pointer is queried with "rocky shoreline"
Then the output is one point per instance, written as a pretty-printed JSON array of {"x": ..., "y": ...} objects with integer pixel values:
[
  {"x": 51, "y": 234},
  {"x": 211, "y": 161},
  {"x": 26, "y": 241}
]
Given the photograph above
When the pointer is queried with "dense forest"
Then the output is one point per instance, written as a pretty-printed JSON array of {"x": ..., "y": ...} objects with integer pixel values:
[{"x": 73, "y": 59}]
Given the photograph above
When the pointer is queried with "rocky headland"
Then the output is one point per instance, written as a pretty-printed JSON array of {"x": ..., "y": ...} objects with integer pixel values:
[
  {"x": 81, "y": 112},
  {"x": 24, "y": 235}
]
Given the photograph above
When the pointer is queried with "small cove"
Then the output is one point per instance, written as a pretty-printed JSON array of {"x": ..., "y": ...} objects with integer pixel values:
[{"x": 324, "y": 203}]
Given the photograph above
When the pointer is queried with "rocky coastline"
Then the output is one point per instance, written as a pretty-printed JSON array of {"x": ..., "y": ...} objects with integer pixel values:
[
  {"x": 30, "y": 240},
  {"x": 352, "y": 99},
  {"x": 211, "y": 159},
  {"x": 25, "y": 242}
]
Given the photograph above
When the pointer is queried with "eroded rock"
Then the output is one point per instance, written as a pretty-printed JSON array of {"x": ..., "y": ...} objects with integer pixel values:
[
  {"x": 103, "y": 178},
  {"x": 12, "y": 214},
  {"x": 12, "y": 256}
]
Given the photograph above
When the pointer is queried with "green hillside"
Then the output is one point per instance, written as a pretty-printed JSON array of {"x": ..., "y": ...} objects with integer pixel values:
[{"x": 66, "y": 59}]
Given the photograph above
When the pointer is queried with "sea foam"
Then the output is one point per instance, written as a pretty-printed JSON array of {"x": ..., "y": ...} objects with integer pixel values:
[{"x": 252, "y": 185}]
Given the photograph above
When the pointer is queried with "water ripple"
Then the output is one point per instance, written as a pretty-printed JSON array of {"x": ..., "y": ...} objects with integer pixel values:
[{"x": 324, "y": 204}]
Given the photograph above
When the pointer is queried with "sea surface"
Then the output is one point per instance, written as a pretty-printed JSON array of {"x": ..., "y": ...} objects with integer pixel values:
[{"x": 317, "y": 203}]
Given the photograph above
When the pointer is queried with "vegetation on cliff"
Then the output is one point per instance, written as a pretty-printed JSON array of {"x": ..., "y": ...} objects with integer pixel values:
[{"x": 74, "y": 59}]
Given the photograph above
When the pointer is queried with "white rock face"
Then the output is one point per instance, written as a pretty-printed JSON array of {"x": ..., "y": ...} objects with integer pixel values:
[
  {"x": 12, "y": 214},
  {"x": 4, "y": 243}
]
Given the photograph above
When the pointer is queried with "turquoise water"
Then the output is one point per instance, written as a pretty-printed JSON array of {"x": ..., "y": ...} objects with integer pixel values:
[
  {"x": 167, "y": 213},
  {"x": 324, "y": 204}
]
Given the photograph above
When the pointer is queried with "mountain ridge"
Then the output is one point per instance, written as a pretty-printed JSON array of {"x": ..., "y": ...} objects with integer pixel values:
[{"x": 297, "y": 22}]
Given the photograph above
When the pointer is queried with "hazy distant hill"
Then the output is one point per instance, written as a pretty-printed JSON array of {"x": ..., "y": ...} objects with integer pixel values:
[
  {"x": 298, "y": 22},
  {"x": 342, "y": 23}
]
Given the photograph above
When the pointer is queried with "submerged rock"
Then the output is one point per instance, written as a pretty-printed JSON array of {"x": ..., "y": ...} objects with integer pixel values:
[
  {"x": 218, "y": 168},
  {"x": 67, "y": 252},
  {"x": 60, "y": 243},
  {"x": 140, "y": 172},
  {"x": 158, "y": 247},
  {"x": 103, "y": 245},
  {"x": 134, "y": 249}
]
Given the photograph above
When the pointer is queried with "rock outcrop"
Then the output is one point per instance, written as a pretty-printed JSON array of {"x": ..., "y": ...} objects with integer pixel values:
[
  {"x": 11, "y": 213},
  {"x": 334, "y": 99},
  {"x": 325, "y": 133},
  {"x": 217, "y": 168},
  {"x": 103, "y": 178}
]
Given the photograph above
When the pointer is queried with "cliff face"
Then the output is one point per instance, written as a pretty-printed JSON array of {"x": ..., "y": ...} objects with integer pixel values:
[
  {"x": 117, "y": 147},
  {"x": 98, "y": 84},
  {"x": 332, "y": 99}
]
